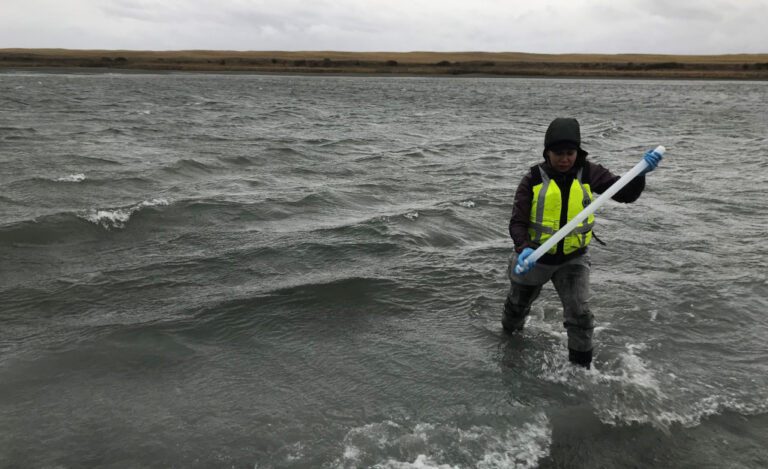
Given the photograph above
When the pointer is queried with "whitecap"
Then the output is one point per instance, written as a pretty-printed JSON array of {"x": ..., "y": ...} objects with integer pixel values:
[
  {"x": 118, "y": 217},
  {"x": 79, "y": 177}
]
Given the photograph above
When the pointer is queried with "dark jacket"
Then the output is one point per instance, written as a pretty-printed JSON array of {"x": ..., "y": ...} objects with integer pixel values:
[{"x": 599, "y": 179}]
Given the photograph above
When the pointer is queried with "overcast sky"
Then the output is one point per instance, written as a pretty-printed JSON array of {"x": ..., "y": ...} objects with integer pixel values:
[{"x": 544, "y": 26}]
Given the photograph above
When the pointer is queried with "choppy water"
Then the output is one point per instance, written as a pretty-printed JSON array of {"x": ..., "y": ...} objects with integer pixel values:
[{"x": 303, "y": 272}]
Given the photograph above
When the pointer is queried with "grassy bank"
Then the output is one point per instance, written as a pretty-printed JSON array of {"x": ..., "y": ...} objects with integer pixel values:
[{"x": 735, "y": 66}]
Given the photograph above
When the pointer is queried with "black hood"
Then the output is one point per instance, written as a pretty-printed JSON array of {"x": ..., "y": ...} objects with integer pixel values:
[{"x": 564, "y": 132}]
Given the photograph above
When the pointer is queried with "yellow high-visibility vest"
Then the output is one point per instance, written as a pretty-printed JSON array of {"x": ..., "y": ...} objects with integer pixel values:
[{"x": 546, "y": 212}]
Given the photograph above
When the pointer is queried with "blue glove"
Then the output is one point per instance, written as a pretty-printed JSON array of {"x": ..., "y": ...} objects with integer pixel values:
[
  {"x": 521, "y": 267},
  {"x": 653, "y": 159}
]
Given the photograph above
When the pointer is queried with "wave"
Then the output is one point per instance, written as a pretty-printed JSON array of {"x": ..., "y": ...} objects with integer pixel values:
[
  {"x": 188, "y": 166},
  {"x": 431, "y": 224},
  {"x": 602, "y": 129},
  {"x": 284, "y": 152},
  {"x": 76, "y": 186},
  {"x": 238, "y": 160},
  {"x": 340, "y": 146},
  {"x": 323, "y": 171},
  {"x": 46, "y": 229},
  {"x": 441, "y": 226},
  {"x": 108, "y": 131},
  {"x": 335, "y": 199},
  {"x": 360, "y": 214},
  {"x": 212, "y": 137},
  {"x": 58, "y": 227},
  {"x": 70, "y": 224},
  {"x": 294, "y": 309},
  {"x": 206, "y": 102},
  {"x": 10, "y": 201},
  {"x": 33, "y": 183},
  {"x": 21, "y": 130},
  {"x": 77, "y": 177},
  {"x": 118, "y": 217},
  {"x": 97, "y": 160}
]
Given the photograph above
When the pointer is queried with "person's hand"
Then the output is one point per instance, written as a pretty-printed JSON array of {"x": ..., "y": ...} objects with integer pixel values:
[
  {"x": 521, "y": 267},
  {"x": 652, "y": 158}
]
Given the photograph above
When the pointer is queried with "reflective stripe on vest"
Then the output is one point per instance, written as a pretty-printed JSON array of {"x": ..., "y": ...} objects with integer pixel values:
[{"x": 547, "y": 208}]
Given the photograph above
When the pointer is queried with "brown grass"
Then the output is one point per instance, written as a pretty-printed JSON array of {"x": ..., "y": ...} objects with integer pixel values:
[{"x": 738, "y": 66}]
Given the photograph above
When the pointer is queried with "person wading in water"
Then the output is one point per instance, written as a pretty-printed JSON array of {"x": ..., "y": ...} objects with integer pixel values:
[{"x": 549, "y": 195}]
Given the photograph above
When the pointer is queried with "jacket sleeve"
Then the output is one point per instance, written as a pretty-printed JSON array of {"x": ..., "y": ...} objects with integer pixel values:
[
  {"x": 521, "y": 213},
  {"x": 602, "y": 179}
]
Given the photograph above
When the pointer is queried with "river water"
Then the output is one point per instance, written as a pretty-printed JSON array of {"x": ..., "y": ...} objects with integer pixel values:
[{"x": 258, "y": 271}]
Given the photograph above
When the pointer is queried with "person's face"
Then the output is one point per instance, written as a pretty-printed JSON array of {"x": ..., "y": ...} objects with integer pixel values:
[{"x": 562, "y": 160}]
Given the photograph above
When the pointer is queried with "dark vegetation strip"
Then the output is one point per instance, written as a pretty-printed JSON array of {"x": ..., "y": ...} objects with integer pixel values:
[{"x": 754, "y": 66}]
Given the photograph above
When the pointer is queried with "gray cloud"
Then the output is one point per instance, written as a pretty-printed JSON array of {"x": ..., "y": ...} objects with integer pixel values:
[
  {"x": 548, "y": 26},
  {"x": 685, "y": 10}
]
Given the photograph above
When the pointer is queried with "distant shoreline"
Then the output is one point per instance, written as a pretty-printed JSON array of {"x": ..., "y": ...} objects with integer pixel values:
[
  {"x": 484, "y": 64},
  {"x": 138, "y": 71}
]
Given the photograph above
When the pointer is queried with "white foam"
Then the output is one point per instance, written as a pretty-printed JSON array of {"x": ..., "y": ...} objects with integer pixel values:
[
  {"x": 72, "y": 178},
  {"x": 421, "y": 462},
  {"x": 467, "y": 204},
  {"x": 634, "y": 371},
  {"x": 412, "y": 215},
  {"x": 624, "y": 390},
  {"x": 711, "y": 406},
  {"x": 296, "y": 452},
  {"x": 633, "y": 393},
  {"x": 430, "y": 445},
  {"x": 118, "y": 217},
  {"x": 520, "y": 448},
  {"x": 556, "y": 368}
]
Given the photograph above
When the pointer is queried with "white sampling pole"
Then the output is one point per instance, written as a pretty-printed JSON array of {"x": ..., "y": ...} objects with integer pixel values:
[{"x": 597, "y": 203}]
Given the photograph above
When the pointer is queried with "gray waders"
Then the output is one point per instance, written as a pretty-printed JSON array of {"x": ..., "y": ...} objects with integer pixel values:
[{"x": 571, "y": 281}]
